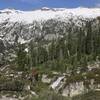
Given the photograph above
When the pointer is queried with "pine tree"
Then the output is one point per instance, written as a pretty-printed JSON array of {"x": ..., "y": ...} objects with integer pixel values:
[{"x": 21, "y": 58}]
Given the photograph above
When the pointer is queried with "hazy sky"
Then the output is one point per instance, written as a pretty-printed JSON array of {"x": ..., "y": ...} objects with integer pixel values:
[{"x": 33, "y": 4}]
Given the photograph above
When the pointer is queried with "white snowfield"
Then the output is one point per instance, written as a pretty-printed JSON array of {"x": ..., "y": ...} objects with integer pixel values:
[{"x": 47, "y": 13}]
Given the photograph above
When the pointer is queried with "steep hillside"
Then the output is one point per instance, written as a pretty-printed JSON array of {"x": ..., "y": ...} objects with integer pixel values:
[{"x": 62, "y": 44}]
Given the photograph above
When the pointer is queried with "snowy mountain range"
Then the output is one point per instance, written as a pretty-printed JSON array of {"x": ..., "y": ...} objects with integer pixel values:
[
  {"x": 42, "y": 24},
  {"x": 47, "y": 13}
]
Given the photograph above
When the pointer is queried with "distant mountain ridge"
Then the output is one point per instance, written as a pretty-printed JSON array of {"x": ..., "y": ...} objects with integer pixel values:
[
  {"x": 46, "y": 13},
  {"x": 42, "y": 24}
]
